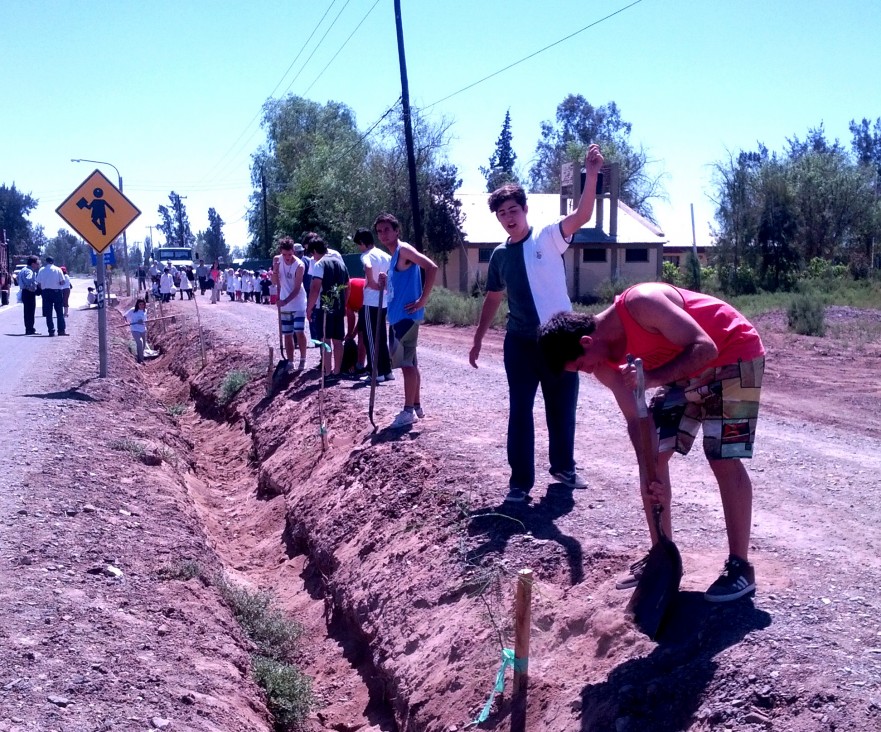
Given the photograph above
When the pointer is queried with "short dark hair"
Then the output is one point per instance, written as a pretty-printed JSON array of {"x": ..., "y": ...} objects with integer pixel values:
[
  {"x": 286, "y": 243},
  {"x": 32, "y": 260},
  {"x": 363, "y": 236},
  {"x": 314, "y": 243},
  {"x": 387, "y": 218},
  {"x": 559, "y": 340},
  {"x": 508, "y": 192}
]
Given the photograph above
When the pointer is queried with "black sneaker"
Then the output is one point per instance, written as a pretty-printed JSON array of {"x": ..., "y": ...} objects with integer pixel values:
[
  {"x": 738, "y": 578},
  {"x": 515, "y": 495},
  {"x": 631, "y": 580}
]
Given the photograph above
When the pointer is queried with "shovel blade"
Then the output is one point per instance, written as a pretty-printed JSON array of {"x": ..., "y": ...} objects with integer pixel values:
[
  {"x": 280, "y": 375},
  {"x": 657, "y": 587}
]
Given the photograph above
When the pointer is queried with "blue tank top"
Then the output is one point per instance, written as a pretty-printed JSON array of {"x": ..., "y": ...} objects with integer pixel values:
[{"x": 406, "y": 287}]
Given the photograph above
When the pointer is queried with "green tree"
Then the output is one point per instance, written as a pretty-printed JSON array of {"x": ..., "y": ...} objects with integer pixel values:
[
  {"x": 213, "y": 242},
  {"x": 175, "y": 223},
  {"x": 70, "y": 251},
  {"x": 501, "y": 164},
  {"x": 443, "y": 221},
  {"x": 578, "y": 124},
  {"x": 14, "y": 208}
]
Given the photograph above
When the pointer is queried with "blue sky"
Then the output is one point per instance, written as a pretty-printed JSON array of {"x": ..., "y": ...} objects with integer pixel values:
[{"x": 171, "y": 92}]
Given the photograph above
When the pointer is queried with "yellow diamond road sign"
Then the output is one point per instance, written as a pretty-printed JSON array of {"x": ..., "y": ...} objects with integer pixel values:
[{"x": 98, "y": 211}]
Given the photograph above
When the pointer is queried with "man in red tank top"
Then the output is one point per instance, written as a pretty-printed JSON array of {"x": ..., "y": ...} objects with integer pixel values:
[{"x": 708, "y": 361}]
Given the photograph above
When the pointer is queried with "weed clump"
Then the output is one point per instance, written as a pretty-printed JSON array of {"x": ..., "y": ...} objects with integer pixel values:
[
  {"x": 274, "y": 635},
  {"x": 132, "y": 447},
  {"x": 288, "y": 690},
  {"x": 232, "y": 384},
  {"x": 806, "y": 315},
  {"x": 185, "y": 569}
]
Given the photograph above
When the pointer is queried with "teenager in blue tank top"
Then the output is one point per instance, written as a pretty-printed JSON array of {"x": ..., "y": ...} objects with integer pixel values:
[{"x": 406, "y": 310}]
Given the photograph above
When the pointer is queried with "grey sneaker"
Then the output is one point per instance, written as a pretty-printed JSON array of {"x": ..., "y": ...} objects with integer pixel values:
[
  {"x": 420, "y": 412},
  {"x": 631, "y": 579},
  {"x": 515, "y": 495},
  {"x": 569, "y": 478},
  {"x": 738, "y": 578}
]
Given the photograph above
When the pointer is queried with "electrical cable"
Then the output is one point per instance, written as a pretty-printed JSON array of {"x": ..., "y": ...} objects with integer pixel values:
[{"x": 531, "y": 55}]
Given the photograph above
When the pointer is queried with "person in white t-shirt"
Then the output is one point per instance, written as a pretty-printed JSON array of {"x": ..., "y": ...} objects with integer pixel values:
[
  {"x": 373, "y": 321},
  {"x": 287, "y": 274}
]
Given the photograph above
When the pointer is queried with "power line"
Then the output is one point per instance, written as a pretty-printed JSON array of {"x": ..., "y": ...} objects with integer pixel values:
[
  {"x": 531, "y": 55},
  {"x": 317, "y": 46},
  {"x": 345, "y": 43},
  {"x": 256, "y": 117}
]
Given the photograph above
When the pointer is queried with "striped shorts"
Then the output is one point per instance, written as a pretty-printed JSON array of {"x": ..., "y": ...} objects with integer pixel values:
[{"x": 294, "y": 322}]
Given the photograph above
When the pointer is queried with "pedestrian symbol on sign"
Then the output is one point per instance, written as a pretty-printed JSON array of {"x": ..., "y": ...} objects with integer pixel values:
[{"x": 98, "y": 208}]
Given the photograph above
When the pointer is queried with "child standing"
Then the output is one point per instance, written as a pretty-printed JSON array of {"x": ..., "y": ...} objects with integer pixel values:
[{"x": 137, "y": 319}]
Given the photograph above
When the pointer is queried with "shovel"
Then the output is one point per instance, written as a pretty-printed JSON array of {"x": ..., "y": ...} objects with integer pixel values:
[
  {"x": 281, "y": 368},
  {"x": 374, "y": 367},
  {"x": 662, "y": 573}
]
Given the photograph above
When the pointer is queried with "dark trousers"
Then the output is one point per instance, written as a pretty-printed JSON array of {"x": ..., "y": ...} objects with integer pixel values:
[
  {"x": 29, "y": 302},
  {"x": 203, "y": 285},
  {"x": 53, "y": 303},
  {"x": 371, "y": 321},
  {"x": 526, "y": 370}
]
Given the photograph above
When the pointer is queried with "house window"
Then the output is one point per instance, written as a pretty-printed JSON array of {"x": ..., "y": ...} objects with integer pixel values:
[
  {"x": 483, "y": 254},
  {"x": 593, "y": 255},
  {"x": 636, "y": 255}
]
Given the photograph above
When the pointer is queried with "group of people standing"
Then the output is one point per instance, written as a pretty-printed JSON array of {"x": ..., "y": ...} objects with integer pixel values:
[
  {"x": 314, "y": 286},
  {"x": 51, "y": 284}
]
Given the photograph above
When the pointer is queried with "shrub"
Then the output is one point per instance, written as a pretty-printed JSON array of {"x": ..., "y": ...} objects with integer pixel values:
[
  {"x": 184, "y": 570},
  {"x": 232, "y": 384},
  {"x": 274, "y": 634},
  {"x": 806, "y": 315},
  {"x": 132, "y": 447},
  {"x": 453, "y": 308},
  {"x": 176, "y": 410},
  {"x": 288, "y": 690},
  {"x": 607, "y": 290},
  {"x": 671, "y": 274}
]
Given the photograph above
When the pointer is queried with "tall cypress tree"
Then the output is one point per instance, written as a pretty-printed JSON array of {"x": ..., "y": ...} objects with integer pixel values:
[{"x": 501, "y": 164}]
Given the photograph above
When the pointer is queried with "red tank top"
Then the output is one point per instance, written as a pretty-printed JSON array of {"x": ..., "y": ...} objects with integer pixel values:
[{"x": 734, "y": 336}]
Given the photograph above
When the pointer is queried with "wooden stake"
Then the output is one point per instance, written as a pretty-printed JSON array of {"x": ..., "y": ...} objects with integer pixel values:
[
  {"x": 522, "y": 622},
  {"x": 199, "y": 323},
  {"x": 269, "y": 371}
]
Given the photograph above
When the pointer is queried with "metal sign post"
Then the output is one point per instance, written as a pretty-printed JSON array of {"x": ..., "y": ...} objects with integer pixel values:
[{"x": 99, "y": 212}]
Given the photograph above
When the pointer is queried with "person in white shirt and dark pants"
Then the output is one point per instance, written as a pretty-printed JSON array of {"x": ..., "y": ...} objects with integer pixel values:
[{"x": 51, "y": 282}]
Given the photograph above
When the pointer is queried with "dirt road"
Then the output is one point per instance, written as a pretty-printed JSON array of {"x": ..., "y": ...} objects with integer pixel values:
[{"x": 804, "y": 655}]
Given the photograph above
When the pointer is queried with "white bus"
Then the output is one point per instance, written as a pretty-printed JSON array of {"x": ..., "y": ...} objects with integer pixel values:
[{"x": 178, "y": 256}]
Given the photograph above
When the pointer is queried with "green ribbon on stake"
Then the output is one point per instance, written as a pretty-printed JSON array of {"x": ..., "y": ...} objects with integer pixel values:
[
  {"x": 508, "y": 659},
  {"x": 321, "y": 344}
]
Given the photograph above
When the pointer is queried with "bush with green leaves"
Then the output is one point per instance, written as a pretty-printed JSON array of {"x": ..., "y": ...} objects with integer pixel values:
[
  {"x": 272, "y": 632},
  {"x": 454, "y": 308},
  {"x": 288, "y": 691},
  {"x": 232, "y": 384},
  {"x": 671, "y": 274},
  {"x": 806, "y": 314}
]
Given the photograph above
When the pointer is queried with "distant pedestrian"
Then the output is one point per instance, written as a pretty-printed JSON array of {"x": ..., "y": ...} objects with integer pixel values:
[
  {"x": 137, "y": 319},
  {"x": 51, "y": 281},
  {"x": 185, "y": 286},
  {"x": 166, "y": 285},
  {"x": 373, "y": 319},
  {"x": 214, "y": 282},
  {"x": 65, "y": 293},
  {"x": 142, "y": 278},
  {"x": 202, "y": 276},
  {"x": 27, "y": 283}
]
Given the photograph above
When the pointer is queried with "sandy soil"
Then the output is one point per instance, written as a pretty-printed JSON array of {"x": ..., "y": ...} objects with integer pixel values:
[{"x": 396, "y": 553}]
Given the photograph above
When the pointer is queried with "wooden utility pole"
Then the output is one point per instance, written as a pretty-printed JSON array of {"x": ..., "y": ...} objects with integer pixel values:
[
  {"x": 408, "y": 132},
  {"x": 266, "y": 242}
]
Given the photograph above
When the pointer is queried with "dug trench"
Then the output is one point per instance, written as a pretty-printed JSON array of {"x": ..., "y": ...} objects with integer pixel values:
[{"x": 405, "y": 589}]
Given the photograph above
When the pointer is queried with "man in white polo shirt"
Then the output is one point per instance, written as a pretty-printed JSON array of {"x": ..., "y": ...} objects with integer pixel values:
[{"x": 51, "y": 281}]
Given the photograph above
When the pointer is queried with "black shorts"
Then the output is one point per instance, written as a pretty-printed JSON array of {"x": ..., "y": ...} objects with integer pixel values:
[{"x": 334, "y": 328}]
